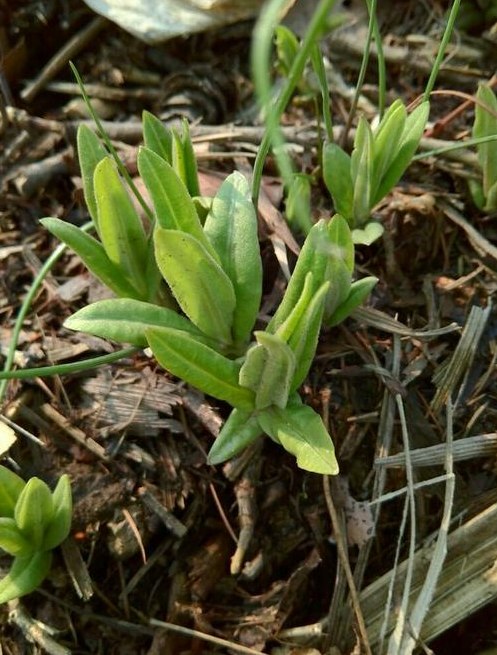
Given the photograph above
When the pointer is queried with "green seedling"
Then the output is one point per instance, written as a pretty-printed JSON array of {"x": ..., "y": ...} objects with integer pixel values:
[
  {"x": 33, "y": 521},
  {"x": 485, "y": 125},
  {"x": 379, "y": 158},
  {"x": 214, "y": 272}
]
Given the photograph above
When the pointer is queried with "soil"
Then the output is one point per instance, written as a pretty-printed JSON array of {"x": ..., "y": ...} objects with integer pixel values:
[{"x": 156, "y": 529}]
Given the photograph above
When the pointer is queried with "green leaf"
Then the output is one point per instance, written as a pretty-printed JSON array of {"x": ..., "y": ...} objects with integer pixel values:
[
  {"x": 387, "y": 139},
  {"x": 411, "y": 136},
  {"x": 60, "y": 525},
  {"x": 313, "y": 257},
  {"x": 93, "y": 255},
  {"x": 268, "y": 370},
  {"x": 11, "y": 539},
  {"x": 298, "y": 203},
  {"x": 231, "y": 227},
  {"x": 201, "y": 366},
  {"x": 11, "y": 486},
  {"x": 287, "y": 47},
  {"x": 339, "y": 278},
  {"x": 157, "y": 137},
  {"x": 302, "y": 433},
  {"x": 338, "y": 179},
  {"x": 241, "y": 428},
  {"x": 486, "y": 125},
  {"x": 359, "y": 291},
  {"x": 121, "y": 228},
  {"x": 304, "y": 340},
  {"x": 202, "y": 289},
  {"x": 368, "y": 234},
  {"x": 190, "y": 161},
  {"x": 287, "y": 328},
  {"x": 173, "y": 206},
  {"x": 125, "y": 320},
  {"x": 25, "y": 575},
  {"x": 491, "y": 203},
  {"x": 363, "y": 173},
  {"x": 34, "y": 511},
  {"x": 90, "y": 153},
  {"x": 340, "y": 236}
]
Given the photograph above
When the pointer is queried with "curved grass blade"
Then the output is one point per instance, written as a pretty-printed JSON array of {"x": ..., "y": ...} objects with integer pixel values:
[
  {"x": 201, "y": 366},
  {"x": 121, "y": 228},
  {"x": 231, "y": 227},
  {"x": 66, "y": 369},
  {"x": 239, "y": 431},
  {"x": 126, "y": 320},
  {"x": 202, "y": 289},
  {"x": 93, "y": 255},
  {"x": 302, "y": 433}
]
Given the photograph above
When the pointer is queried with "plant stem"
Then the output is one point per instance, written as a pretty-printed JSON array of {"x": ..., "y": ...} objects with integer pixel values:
[
  {"x": 455, "y": 146},
  {"x": 260, "y": 66},
  {"x": 441, "y": 51}
]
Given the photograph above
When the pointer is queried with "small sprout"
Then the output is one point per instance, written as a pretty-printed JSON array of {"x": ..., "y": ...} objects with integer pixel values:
[{"x": 33, "y": 521}]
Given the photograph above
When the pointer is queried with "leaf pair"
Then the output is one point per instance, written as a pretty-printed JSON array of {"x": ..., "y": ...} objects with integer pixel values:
[
  {"x": 358, "y": 182},
  {"x": 33, "y": 521},
  {"x": 485, "y": 194},
  {"x": 297, "y": 428}
]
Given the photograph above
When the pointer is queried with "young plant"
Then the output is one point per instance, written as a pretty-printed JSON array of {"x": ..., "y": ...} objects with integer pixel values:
[
  {"x": 379, "y": 158},
  {"x": 214, "y": 272},
  {"x": 485, "y": 193},
  {"x": 33, "y": 521}
]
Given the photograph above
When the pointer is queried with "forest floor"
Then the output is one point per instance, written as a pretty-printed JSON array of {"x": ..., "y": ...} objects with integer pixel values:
[{"x": 245, "y": 552}]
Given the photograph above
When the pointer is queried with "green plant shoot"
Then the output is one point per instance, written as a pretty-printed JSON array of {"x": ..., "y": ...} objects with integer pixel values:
[
  {"x": 33, "y": 521},
  {"x": 485, "y": 125}
]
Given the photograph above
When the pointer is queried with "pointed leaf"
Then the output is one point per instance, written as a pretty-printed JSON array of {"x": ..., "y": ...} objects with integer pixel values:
[
  {"x": 268, "y": 370},
  {"x": 202, "y": 289},
  {"x": 11, "y": 539},
  {"x": 301, "y": 432},
  {"x": 34, "y": 510},
  {"x": 304, "y": 340},
  {"x": 340, "y": 279},
  {"x": 25, "y": 575},
  {"x": 231, "y": 227},
  {"x": 90, "y": 153},
  {"x": 204, "y": 368},
  {"x": 121, "y": 228},
  {"x": 60, "y": 525},
  {"x": 156, "y": 136},
  {"x": 11, "y": 486},
  {"x": 363, "y": 173},
  {"x": 387, "y": 139},
  {"x": 359, "y": 291},
  {"x": 287, "y": 328},
  {"x": 126, "y": 320},
  {"x": 298, "y": 203},
  {"x": 173, "y": 206},
  {"x": 313, "y": 257},
  {"x": 338, "y": 179},
  {"x": 287, "y": 47},
  {"x": 241, "y": 428},
  {"x": 93, "y": 255},
  {"x": 411, "y": 136}
]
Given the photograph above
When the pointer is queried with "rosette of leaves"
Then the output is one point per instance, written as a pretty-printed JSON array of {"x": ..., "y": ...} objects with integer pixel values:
[
  {"x": 485, "y": 193},
  {"x": 359, "y": 181},
  {"x": 33, "y": 521},
  {"x": 214, "y": 272}
]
